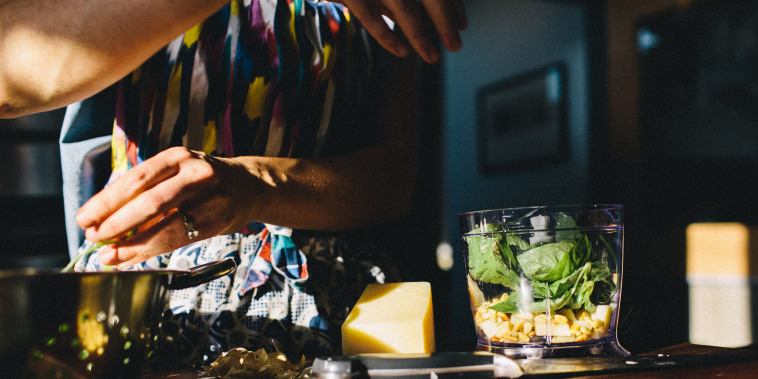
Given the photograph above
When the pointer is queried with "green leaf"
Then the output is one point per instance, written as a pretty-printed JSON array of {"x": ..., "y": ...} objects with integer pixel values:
[
  {"x": 582, "y": 251},
  {"x": 510, "y": 247},
  {"x": 518, "y": 243},
  {"x": 558, "y": 288},
  {"x": 564, "y": 291},
  {"x": 70, "y": 266},
  {"x": 563, "y": 274},
  {"x": 486, "y": 262},
  {"x": 570, "y": 292},
  {"x": 548, "y": 262},
  {"x": 581, "y": 298},
  {"x": 564, "y": 221}
]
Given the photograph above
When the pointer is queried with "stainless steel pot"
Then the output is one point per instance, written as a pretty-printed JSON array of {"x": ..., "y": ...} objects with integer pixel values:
[{"x": 87, "y": 325}]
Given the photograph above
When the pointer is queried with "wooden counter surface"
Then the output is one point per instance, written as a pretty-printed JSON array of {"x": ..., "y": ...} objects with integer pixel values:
[{"x": 710, "y": 367}]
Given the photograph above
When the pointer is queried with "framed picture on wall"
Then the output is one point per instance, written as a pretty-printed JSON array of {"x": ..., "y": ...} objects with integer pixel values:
[{"x": 522, "y": 120}]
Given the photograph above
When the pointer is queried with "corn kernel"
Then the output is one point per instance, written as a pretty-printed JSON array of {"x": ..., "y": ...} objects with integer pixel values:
[
  {"x": 582, "y": 315},
  {"x": 527, "y": 327},
  {"x": 510, "y": 338},
  {"x": 581, "y": 337},
  {"x": 492, "y": 315},
  {"x": 504, "y": 297},
  {"x": 585, "y": 330},
  {"x": 598, "y": 324},
  {"x": 502, "y": 316},
  {"x": 568, "y": 313},
  {"x": 575, "y": 327},
  {"x": 561, "y": 319},
  {"x": 520, "y": 326},
  {"x": 523, "y": 337},
  {"x": 540, "y": 318}
]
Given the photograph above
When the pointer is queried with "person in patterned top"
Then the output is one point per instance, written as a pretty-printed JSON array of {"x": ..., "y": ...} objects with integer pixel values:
[{"x": 274, "y": 132}]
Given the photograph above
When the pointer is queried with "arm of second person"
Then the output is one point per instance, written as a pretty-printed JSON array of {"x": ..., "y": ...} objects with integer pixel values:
[{"x": 54, "y": 53}]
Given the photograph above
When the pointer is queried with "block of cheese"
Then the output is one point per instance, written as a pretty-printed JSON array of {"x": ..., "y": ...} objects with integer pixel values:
[{"x": 391, "y": 318}]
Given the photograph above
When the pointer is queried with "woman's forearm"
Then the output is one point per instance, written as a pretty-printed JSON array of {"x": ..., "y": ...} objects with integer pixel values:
[
  {"x": 367, "y": 186},
  {"x": 53, "y": 53},
  {"x": 356, "y": 190}
]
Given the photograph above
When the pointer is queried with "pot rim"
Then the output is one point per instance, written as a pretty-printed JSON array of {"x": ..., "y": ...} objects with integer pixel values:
[{"x": 177, "y": 279}]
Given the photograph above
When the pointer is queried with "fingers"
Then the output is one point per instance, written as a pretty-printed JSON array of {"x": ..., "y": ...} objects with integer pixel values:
[
  {"x": 135, "y": 182},
  {"x": 449, "y": 17},
  {"x": 370, "y": 14},
  {"x": 176, "y": 229},
  {"x": 416, "y": 26},
  {"x": 145, "y": 193},
  {"x": 139, "y": 210},
  {"x": 423, "y": 23},
  {"x": 165, "y": 235}
]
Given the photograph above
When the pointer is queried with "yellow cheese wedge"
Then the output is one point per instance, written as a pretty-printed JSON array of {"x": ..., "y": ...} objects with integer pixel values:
[{"x": 391, "y": 318}]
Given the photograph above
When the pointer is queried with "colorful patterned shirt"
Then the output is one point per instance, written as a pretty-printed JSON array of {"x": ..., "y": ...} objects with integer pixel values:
[{"x": 280, "y": 78}]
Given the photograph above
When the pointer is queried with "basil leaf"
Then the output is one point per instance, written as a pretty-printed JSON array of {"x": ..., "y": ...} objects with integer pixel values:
[
  {"x": 510, "y": 248},
  {"x": 485, "y": 260},
  {"x": 510, "y": 305},
  {"x": 548, "y": 262},
  {"x": 564, "y": 221}
]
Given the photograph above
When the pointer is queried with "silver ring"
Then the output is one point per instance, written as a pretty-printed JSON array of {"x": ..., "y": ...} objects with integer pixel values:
[{"x": 189, "y": 226}]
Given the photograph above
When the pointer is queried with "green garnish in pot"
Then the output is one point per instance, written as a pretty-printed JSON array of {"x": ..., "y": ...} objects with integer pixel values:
[{"x": 70, "y": 266}]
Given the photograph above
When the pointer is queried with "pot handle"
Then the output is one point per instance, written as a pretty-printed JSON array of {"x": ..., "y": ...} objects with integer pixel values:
[{"x": 203, "y": 273}]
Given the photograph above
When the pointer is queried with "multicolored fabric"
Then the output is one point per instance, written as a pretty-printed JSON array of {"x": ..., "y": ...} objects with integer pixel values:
[{"x": 281, "y": 78}]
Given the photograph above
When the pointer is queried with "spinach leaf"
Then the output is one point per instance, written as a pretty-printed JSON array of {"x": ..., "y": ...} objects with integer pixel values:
[
  {"x": 510, "y": 304},
  {"x": 605, "y": 288},
  {"x": 563, "y": 275},
  {"x": 564, "y": 221},
  {"x": 510, "y": 248},
  {"x": 548, "y": 262},
  {"x": 582, "y": 252},
  {"x": 572, "y": 292},
  {"x": 598, "y": 280},
  {"x": 485, "y": 259},
  {"x": 581, "y": 297},
  {"x": 513, "y": 304},
  {"x": 518, "y": 243}
]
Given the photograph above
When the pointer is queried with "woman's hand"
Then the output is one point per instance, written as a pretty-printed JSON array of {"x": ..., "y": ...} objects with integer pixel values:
[
  {"x": 147, "y": 198},
  {"x": 421, "y": 21}
]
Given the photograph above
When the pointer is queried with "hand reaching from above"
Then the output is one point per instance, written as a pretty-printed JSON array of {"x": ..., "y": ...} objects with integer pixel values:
[{"x": 421, "y": 21}]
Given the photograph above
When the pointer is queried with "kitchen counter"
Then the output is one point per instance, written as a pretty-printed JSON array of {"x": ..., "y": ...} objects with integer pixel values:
[
  {"x": 716, "y": 362},
  {"x": 706, "y": 361}
]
